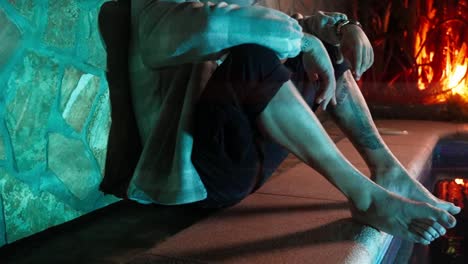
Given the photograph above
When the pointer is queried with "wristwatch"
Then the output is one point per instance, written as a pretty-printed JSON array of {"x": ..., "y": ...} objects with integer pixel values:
[{"x": 342, "y": 23}]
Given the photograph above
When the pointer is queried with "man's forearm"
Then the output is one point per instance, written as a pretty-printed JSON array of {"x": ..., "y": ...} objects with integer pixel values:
[{"x": 208, "y": 30}]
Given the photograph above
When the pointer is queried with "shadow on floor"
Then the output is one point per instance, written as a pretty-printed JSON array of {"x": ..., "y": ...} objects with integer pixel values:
[
  {"x": 110, "y": 235},
  {"x": 319, "y": 235}
]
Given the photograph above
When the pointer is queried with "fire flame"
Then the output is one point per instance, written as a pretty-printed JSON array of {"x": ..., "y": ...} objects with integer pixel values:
[
  {"x": 453, "y": 80},
  {"x": 459, "y": 181},
  {"x": 456, "y": 72},
  {"x": 423, "y": 58}
]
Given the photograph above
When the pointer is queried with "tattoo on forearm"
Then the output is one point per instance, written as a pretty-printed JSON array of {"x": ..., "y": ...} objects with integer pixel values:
[
  {"x": 341, "y": 93},
  {"x": 366, "y": 135}
]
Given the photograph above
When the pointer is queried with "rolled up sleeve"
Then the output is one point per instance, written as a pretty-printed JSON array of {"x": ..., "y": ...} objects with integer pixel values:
[{"x": 172, "y": 33}]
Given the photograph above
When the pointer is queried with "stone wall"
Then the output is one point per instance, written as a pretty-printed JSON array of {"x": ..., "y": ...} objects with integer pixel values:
[{"x": 54, "y": 114}]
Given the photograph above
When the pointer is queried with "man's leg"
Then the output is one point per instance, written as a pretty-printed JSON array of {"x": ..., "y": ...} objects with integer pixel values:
[
  {"x": 289, "y": 121},
  {"x": 225, "y": 151},
  {"x": 352, "y": 115}
]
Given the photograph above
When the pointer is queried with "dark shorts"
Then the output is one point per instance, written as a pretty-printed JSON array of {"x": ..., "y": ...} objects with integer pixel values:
[{"x": 229, "y": 153}]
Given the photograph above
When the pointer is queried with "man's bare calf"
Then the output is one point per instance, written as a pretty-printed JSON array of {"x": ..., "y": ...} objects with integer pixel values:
[
  {"x": 288, "y": 120},
  {"x": 352, "y": 115}
]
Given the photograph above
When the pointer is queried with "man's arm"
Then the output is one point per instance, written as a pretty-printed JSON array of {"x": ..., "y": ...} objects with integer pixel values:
[
  {"x": 353, "y": 42},
  {"x": 322, "y": 24},
  {"x": 171, "y": 33}
]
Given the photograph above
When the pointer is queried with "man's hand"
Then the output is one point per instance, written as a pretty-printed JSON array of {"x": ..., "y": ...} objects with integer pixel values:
[
  {"x": 357, "y": 48},
  {"x": 354, "y": 43},
  {"x": 317, "y": 63},
  {"x": 322, "y": 24}
]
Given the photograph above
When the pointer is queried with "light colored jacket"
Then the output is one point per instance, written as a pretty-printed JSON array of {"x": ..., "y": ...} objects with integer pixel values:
[{"x": 174, "y": 48}]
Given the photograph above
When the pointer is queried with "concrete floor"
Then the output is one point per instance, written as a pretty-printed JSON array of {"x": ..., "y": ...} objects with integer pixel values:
[
  {"x": 127, "y": 232},
  {"x": 117, "y": 233},
  {"x": 114, "y": 234},
  {"x": 121, "y": 233}
]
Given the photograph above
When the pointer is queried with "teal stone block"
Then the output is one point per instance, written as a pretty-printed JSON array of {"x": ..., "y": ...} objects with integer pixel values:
[
  {"x": 90, "y": 45},
  {"x": 69, "y": 160},
  {"x": 10, "y": 36},
  {"x": 78, "y": 93},
  {"x": 27, "y": 213},
  {"x": 33, "y": 87},
  {"x": 62, "y": 18},
  {"x": 25, "y": 8},
  {"x": 70, "y": 80},
  {"x": 98, "y": 130},
  {"x": 2, "y": 149},
  {"x": 3, "y": 239}
]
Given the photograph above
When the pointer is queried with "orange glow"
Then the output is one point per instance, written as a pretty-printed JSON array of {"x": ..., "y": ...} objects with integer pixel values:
[
  {"x": 456, "y": 73},
  {"x": 424, "y": 57},
  {"x": 456, "y": 78},
  {"x": 459, "y": 181},
  {"x": 452, "y": 61}
]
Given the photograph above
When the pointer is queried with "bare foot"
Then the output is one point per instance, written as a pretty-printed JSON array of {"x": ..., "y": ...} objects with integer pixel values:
[
  {"x": 398, "y": 180},
  {"x": 414, "y": 221}
]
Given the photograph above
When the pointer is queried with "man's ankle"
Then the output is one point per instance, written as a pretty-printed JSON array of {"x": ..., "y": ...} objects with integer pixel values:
[{"x": 363, "y": 198}]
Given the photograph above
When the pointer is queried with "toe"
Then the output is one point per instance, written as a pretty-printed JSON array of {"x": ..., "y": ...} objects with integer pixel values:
[
  {"x": 423, "y": 232},
  {"x": 440, "y": 229},
  {"x": 450, "y": 220},
  {"x": 448, "y": 206},
  {"x": 434, "y": 225},
  {"x": 454, "y": 209},
  {"x": 425, "y": 242},
  {"x": 444, "y": 218},
  {"x": 428, "y": 226},
  {"x": 416, "y": 238}
]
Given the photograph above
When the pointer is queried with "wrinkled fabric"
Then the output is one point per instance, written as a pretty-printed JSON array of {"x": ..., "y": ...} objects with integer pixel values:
[
  {"x": 174, "y": 50},
  {"x": 226, "y": 150}
]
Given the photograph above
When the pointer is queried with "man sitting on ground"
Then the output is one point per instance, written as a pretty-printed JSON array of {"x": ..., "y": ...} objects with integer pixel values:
[{"x": 222, "y": 92}]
